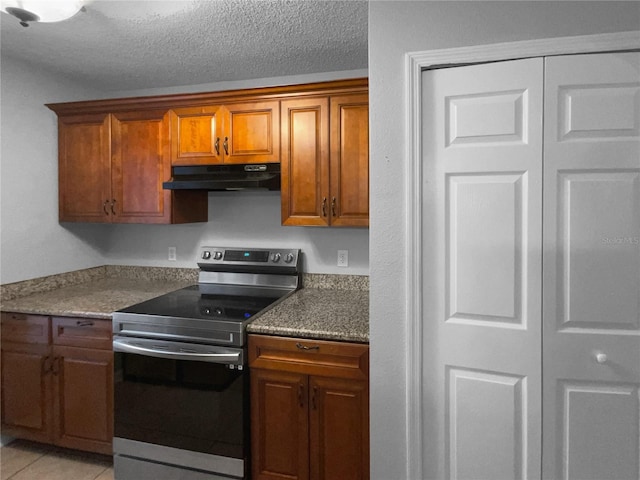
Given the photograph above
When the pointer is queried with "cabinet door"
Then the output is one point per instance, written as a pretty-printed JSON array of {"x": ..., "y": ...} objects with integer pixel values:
[
  {"x": 305, "y": 162},
  {"x": 196, "y": 135},
  {"x": 350, "y": 160},
  {"x": 83, "y": 398},
  {"x": 339, "y": 429},
  {"x": 84, "y": 156},
  {"x": 279, "y": 423},
  {"x": 140, "y": 165},
  {"x": 252, "y": 132},
  {"x": 26, "y": 391}
]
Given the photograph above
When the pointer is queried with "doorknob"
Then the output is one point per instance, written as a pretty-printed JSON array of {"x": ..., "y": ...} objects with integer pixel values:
[{"x": 601, "y": 357}]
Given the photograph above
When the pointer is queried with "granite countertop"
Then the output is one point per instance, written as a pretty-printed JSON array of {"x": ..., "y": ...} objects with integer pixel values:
[
  {"x": 93, "y": 293},
  {"x": 318, "y": 313},
  {"x": 330, "y": 307}
]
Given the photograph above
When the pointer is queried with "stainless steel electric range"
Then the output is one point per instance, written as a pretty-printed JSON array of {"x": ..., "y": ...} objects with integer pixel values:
[{"x": 181, "y": 396}]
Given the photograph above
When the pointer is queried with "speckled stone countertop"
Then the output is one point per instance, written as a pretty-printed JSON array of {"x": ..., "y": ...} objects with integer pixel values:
[
  {"x": 331, "y": 307},
  {"x": 318, "y": 313},
  {"x": 95, "y": 292}
]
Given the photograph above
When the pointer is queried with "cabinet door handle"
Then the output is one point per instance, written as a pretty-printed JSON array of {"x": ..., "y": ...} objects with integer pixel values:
[
  {"x": 301, "y": 395},
  {"x": 44, "y": 368},
  {"x": 104, "y": 207},
  {"x": 55, "y": 366},
  {"x": 324, "y": 206},
  {"x": 225, "y": 144},
  {"x": 84, "y": 323},
  {"x": 217, "y": 145},
  {"x": 333, "y": 206},
  {"x": 305, "y": 347},
  {"x": 113, "y": 206}
]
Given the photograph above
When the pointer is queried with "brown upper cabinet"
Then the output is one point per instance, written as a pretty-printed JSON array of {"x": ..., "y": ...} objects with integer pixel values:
[
  {"x": 325, "y": 160},
  {"x": 114, "y": 154},
  {"x": 237, "y": 133},
  {"x": 111, "y": 168}
]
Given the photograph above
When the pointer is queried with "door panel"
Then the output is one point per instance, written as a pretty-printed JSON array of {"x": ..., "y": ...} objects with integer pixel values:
[
  {"x": 140, "y": 165},
  {"x": 252, "y": 132},
  {"x": 482, "y": 175},
  {"x": 196, "y": 135},
  {"x": 494, "y": 442},
  {"x": 591, "y": 342}
]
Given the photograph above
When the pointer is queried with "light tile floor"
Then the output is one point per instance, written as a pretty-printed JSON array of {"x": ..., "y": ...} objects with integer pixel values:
[{"x": 23, "y": 460}]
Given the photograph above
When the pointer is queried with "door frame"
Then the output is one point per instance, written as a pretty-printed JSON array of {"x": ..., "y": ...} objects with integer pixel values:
[{"x": 415, "y": 63}]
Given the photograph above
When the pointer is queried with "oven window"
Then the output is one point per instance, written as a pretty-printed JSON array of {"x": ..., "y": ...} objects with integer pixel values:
[{"x": 189, "y": 405}]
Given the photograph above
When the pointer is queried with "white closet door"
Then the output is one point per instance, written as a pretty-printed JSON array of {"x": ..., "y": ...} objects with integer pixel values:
[
  {"x": 482, "y": 194},
  {"x": 591, "y": 293}
]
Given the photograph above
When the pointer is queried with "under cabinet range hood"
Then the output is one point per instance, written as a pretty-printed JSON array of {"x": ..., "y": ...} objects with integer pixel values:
[{"x": 225, "y": 177}]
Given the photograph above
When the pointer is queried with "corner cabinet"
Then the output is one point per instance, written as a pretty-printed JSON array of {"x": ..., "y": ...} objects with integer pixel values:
[
  {"x": 309, "y": 409},
  {"x": 57, "y": 381},
  {"x": 325, "y": 160},
  {"x": 111, "y": 169},
  {"x": 237, "y": 133}
]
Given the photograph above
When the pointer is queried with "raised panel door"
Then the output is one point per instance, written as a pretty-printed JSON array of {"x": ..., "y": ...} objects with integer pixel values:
[
  {"x": 196, "y": 135},
  {"x": 349, "y": 196},
  {"x": 338, "y": 429},
  {"x": 591, "y": 294},
  {"x": 252, "y": 132},
  {"x": 26, "y": 391},
  {"x": 280, "y": 426},
  {"x": 84, "y": 165},
  {"x": 482, "y": 199},
  {"x": 83, "y": 398},
  {"x": 140, "y": 165},
  {"x": 305, "y": 162}
]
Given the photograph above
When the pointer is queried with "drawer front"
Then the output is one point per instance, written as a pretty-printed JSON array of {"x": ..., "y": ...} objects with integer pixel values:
[
  {"x": 311, "y": 357},
  {"x": 82, "y": 332},
  {"x": 25, "y": 328}
]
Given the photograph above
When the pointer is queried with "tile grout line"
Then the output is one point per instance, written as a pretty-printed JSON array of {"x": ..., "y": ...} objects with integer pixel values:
[{"x": 26, "y": 466}]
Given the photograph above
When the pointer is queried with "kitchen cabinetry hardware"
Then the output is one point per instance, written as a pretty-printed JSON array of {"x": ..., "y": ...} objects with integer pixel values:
[
  {"x": 333, "y": 206},
  {"x": 46, "y": 365},
  {"x": 225, "y": 145},
  {"x": 324, "y": 206},
  {"x": 217, "y": 146},
  {"x": 305, "y": 347},
  {"x": 55, "y": 366},
  {"x": 84, "y": 323},
  {"x": 104, "y": 207},
  {"x": 113, "y": 206}
]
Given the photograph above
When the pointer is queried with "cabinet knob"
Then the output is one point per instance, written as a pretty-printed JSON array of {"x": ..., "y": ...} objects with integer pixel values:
[
  {"x": 601, "y": 357},
  {"x": 104, "y": 207}
]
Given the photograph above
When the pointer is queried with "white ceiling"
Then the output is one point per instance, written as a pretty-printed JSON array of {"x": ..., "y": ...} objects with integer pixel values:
[{"x": 127, "y": 45}]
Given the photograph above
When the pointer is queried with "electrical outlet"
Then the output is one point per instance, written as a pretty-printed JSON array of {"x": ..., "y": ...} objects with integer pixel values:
[
  {"x": 172, "y": 254},
  {"x": 343, "y": 258}
]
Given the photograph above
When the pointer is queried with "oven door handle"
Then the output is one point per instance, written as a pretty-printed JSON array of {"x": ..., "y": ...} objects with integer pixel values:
[{"x": 121, "y": 345}]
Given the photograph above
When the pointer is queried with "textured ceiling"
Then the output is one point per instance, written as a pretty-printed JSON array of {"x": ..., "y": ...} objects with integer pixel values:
[{"x": 123, "y": 45}]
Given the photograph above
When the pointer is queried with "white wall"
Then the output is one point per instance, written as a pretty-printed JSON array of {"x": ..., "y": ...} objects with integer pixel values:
[
  {"x": 34, "y": 244},
  {"x": 395, "y": 28}
]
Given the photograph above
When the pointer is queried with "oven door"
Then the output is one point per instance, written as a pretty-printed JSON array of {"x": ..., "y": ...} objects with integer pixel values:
[{"x": 180, "y": 410}]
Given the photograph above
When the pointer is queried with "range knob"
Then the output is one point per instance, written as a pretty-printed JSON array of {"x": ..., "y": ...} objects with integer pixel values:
[
  {"x": 206, "y": 255},
  {"x": 217, "y": 255},
  {"x": 275, "y": 257},
  {"x": 288, "y": 258}
]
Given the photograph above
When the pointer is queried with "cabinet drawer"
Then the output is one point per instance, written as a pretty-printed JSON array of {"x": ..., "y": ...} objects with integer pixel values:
[
  {"x": 25, "y": 328},
  {"x": 311, "y": 357},
  {"x": 82, "y": 332}
]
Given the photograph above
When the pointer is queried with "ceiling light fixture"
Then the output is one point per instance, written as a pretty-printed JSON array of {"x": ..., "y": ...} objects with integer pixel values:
[{"x": 41, "y": 10}]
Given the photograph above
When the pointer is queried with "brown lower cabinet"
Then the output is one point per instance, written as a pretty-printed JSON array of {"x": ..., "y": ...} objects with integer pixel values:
[
  {"x": 309, "y": 409},
  {"x": 57, "y": 381}
]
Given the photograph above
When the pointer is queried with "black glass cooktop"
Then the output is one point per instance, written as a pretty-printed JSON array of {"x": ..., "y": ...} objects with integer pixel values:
[{"x": 202, "y": 302}]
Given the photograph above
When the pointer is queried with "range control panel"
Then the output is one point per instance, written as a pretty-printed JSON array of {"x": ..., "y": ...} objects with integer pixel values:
[{"x": 248, "y": 256}]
